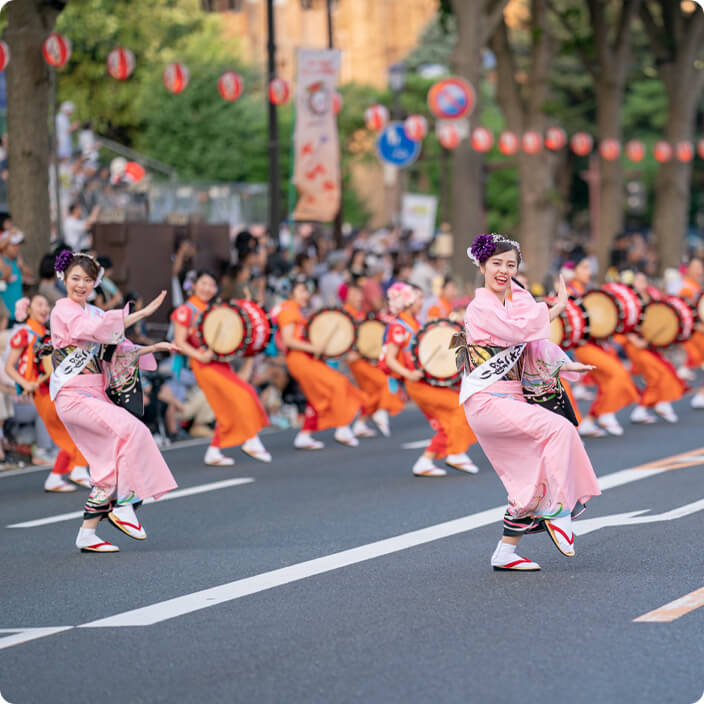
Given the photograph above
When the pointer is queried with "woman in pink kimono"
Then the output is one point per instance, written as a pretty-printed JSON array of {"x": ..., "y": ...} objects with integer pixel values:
[
  {"x": 125, "y": 463},
  {"x": 509, "y": 361}
]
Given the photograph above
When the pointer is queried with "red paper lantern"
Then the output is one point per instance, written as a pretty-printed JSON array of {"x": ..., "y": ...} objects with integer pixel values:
[
  {"x": 376, "y": 117},
  {"x": 279, "y": 91},
  {"x": 134, "y": 172},
  {"x": 700, "y": 148},
  {"x": 56, "y": 50},
  {"x": 684, "y": 151},
  {"x": 635, "y": 150},
  {"x": 336, "y": 103},
  {"x": 4, "y": 56},
  {"x": 482, "y": 139},
  {"x": 532, "y": 142},
  {"x": 555, "y": 138},
  {"x": 175, "y": 77},
  {"x": 610, "y": 149},
  {"x": 662, "y": 151},
  {"x": 508, "y": 143},
  {"x": 121, "y": 63},
  {"x": 230, "y": 86},
  {"x": 448, "y": 135},
  {"x": 581, "y": 143},
  {"x": 415, "y": 127}
]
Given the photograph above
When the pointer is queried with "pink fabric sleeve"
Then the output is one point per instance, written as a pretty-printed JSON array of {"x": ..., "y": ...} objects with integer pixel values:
[
  {"x": 487, "y": 322},
  {"x": 71, "y": 324},
  {"x": 545, "y": 357},
  {"x": 129, "y": 349}
]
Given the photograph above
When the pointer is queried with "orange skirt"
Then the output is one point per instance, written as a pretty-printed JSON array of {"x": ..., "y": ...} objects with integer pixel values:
[
  {"x": 238, "y": 412},
  {"x": 695, "y": 350},
  {"x": 615, "y": 388},
  {"x": 336, "y": 401},
  {"x": 374, "y": 384},
  {"x": 440, "y": 406},
  {"x": 57, "y": 432},
  {"x": 661, "y": 379}
]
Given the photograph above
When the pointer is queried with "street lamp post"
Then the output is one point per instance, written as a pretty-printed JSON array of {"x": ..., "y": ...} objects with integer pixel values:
[
  {"x": 397, "y": 79},
  {"x": 274, "y": 188}
]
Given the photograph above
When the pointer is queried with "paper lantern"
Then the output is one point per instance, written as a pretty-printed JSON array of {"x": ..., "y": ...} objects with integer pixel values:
[
  {"x": 508, "y": 143},
  {"x": 336, "y": 103},
  {"x": 415, "y": 127},
  {"x": 581, "y": 143},
  {"x": 684, "y": 151},
  {"x": 482, "y": 139},
  {"x": 376, "y": 117},
  {"x": 700, "y": 148},
  {"x": 279, "y": 91},
  {"x": 134, "y": 172},
  {"x": 635, "y": 150},
  {"x": 448, "y": 135},
  {"x": 4, "y": 56},
  {"x": 230, "y": 86},
  {"x": 610, "y": 149},
  {"x": 555, "y": 138},
  {"x": 121, "y": 63},
  {"x": 56, "y": 50},
  {"x": 532, "y": 142},
  {"x": 662, "y": 151},
  {"x": 175, "y": 77}
]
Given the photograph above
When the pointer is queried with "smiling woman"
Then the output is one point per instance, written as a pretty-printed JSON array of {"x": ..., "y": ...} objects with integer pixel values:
[{"x": 507, "y": 358}]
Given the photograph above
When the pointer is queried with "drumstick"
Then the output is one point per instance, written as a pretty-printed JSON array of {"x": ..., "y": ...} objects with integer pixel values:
[
  {"x": 217, "y": 334},
  {"x": 432, "y": 354},
  {"x": 330, "y": 336}
]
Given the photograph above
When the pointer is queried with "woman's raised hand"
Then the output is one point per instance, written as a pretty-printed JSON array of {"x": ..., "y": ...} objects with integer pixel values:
[
  {"x": 577, "y": 367},
  {"x": 153, "y": 305},
  {"x": 562, "y": 293}
]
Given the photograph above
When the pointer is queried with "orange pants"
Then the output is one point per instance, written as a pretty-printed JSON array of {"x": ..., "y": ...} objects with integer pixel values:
[
  {"x": 615, "y": 388},
  {"x": 695, "y": 350},
  {"x": 440, "y": 406},
  {"x": 374, "y": 384},
  {"x": 661, "y": 380},
  {"x": 332, "y": 397},
  {"x": 69, "y": 455},
  {"x": 238, "y": 412}
]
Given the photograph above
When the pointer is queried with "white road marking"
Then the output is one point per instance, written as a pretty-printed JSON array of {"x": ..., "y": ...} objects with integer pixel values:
[
  {"x": 188, "y": 603},
  {"x": 22, "y": 635},
  {"x": 25, "y": 470},
  {"x": 416, "y": 445},
  {"x": 176, "y": 494}
]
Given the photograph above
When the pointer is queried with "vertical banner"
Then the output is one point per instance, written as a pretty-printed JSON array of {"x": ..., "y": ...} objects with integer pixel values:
[{"x": 316, "y": 171}]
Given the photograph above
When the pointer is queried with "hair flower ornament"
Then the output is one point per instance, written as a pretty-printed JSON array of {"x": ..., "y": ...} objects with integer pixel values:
[
  {"x": 64, "y": 258},
  {"x": 485, "y": 245}
]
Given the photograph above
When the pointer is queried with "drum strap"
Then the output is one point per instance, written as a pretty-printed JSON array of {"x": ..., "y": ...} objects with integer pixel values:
[{"x": 494, "y": 369}]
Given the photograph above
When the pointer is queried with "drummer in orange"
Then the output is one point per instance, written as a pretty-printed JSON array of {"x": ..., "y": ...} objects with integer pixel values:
[
  {"x": 21, "y": 367},
  {"x": 442, "y": 308},
  {"x": 333, "y": 402},
  {"x": 691, "y": 288},
  {"x": 440, "y": 406},
  {"x": 615, "y": 388},
  {"x": 379, "y": 400},
  {"x": 238, "y": 412}
]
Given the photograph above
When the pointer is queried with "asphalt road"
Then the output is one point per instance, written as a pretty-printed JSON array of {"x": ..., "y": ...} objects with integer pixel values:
[{"x": 418, "y": 617}]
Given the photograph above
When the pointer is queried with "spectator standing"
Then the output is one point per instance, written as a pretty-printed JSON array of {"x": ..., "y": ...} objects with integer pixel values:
[
  {"x": 332, "y": 279},
  {"x": 76, "y": 227},
  {"x": 47, "y": 280},
  {"x": 65, "y": 129},
  {"x": 13, "y": 270}
]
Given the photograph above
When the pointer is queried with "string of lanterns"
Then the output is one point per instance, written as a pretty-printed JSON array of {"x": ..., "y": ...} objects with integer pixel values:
[{"x": 449, "y": 135}]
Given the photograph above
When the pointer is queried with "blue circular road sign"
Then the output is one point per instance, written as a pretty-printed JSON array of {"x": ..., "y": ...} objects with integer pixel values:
[{"x": 395, "y": 148}]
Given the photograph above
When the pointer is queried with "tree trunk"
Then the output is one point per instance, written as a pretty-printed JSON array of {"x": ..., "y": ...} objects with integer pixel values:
[
  {"x": 467, "y": 190},
  {"x": 28, "y": 24},
  {"x": 611, "y": 187}
]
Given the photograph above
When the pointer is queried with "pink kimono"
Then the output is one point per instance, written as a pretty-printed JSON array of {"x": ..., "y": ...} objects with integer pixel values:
[
  {"x": 120, "y": 450},
  {"x": 537, "y": 454}
]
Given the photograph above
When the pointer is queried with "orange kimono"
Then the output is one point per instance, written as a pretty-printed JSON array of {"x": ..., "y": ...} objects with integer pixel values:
[
  {"x": 238, "y": 411},
  {"x": 440, "y": 405},
  {"x": 372, "y": 381},
  {"x": 333, "y": 400},
  {"x": 26, "y": 338},
  {"x": 615, "y": 388},
  {"x": 661, "y": 380},
  {"x": 441, "y": 309}
]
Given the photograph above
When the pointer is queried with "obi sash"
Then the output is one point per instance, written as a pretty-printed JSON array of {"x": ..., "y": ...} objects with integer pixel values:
[{"x": 487, "y": 373}]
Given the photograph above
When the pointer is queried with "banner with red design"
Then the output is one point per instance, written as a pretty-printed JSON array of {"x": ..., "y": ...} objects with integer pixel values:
[{"x": 316, "y": 171}]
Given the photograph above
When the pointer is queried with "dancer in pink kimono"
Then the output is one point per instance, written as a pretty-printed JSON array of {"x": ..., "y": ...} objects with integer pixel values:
[
  {"x": 509, "y": 361},
  {"x": 125, "y": 463}
]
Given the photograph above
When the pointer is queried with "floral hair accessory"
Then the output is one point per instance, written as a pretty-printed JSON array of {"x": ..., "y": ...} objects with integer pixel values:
[
  {"x": 400, "y": 296},
  {"x": 21, "y": 308},
  {"x": 64, "y": 258},
  {"x": 485, "y": 245}
]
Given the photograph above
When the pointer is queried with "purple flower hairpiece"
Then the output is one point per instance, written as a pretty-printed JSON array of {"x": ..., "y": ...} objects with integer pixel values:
[
  {"x": 63, "y": 260},
  {"x": 485, "y": 245}
]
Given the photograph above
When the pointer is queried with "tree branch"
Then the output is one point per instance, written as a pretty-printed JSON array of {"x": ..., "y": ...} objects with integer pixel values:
[
  {"x": 601, "y": 33},
  {"x": 691, "y": 41},
  {"x": 662, "y": 52},
  {"x": 541, "y": 57},
  {"x": 494, "y": 13},
  {"x": 628, "y": 12},
  {"x": 562, "y": 19},
  {"x": 507, "y": 90}
]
